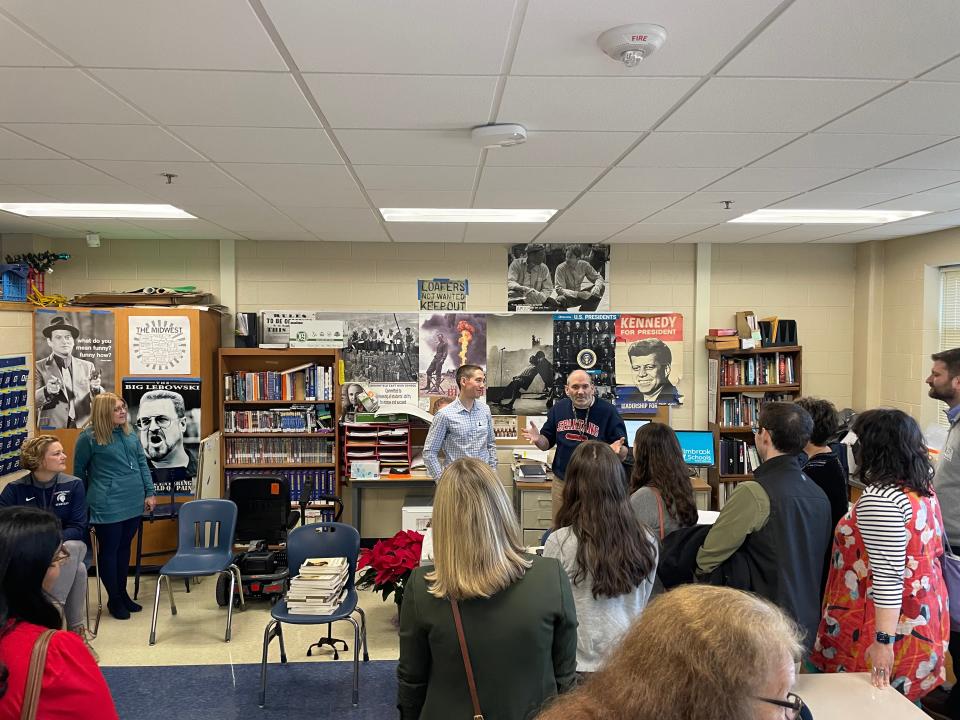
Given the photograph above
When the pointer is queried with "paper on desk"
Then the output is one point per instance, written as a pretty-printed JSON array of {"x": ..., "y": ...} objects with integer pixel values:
[{"x": 532, "y": 453}]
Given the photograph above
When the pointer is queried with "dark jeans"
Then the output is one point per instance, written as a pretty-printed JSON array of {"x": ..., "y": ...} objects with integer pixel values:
[
  {"x": 113, "y": 559},
  {"x": 953, "y": 702}
]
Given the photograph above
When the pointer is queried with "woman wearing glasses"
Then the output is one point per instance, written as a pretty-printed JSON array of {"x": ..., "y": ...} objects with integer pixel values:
[
  {"x": 72, "y": 685},
  {"x": 885, "y": 607},
  {"x": 698, "y": 652},
  {"x": 109, "y": 458}
]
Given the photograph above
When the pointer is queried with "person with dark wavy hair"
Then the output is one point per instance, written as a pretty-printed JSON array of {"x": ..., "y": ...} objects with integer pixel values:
[
  {"x": 610, "y": 557},
  {"x": 31, "y": 551},
  {"x": 885, "y": 608},
  {"x": 660, "y": 481}
]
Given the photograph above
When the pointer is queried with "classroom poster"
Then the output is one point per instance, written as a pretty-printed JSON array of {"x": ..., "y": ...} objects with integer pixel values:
[
  {"x": 447, "y": 341},
  {"x": 558, "y": 277},
  {"x": 585, "y": 341},
  {"x": 159, "y": 344},
  {"x": 521, "y": 378},
  {"x": 649, "y": 357}
]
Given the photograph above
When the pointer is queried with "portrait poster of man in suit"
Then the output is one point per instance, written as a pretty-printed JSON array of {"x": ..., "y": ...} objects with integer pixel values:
[
  {"x": 74, "y": 354},
  {"x": 649, "y": 356}
]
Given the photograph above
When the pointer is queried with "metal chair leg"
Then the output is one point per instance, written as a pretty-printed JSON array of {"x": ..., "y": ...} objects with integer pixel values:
[
  {"x": 173, "y": 605},
  {"x": 136, "y": 572},
  {"x": 95, "y": 545},
  {"x": 273, "y": 630},
  {"x": 356, "y": 661},
  {"x": 236, "y": 571},
  {"x": 363, "y": 631},
  {"x": 156, "y": 606},
  {"x": 233, "y": 581}
]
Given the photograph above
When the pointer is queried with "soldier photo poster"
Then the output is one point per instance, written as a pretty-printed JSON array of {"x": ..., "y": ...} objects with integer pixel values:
[
  {"x": 558, "y": 277},
  {"x": 650, "y": 357},
  {"x": 520, "y": 372},
  {"x": 380, "y": 347},
  {"x": 165, "y": 415},
  {"x": 74, "y": 362},
  {"x": 447, "y": 341}
]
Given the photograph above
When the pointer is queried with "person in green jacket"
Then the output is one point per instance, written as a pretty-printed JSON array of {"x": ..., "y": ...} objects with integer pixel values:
[
  {"x": 109, "y": 459},
  {"x": 519, "y": 618}
]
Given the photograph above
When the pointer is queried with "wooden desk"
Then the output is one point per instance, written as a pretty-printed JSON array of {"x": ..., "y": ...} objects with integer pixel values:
[
  {"x": 843, "y": 696},
  {"x": 357, "y": 486}
]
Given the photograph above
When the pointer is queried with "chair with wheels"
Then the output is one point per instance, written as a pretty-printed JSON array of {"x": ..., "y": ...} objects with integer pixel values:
[
  {"x": 204, "y": 547},
  {"x": 320, "y": 540}
]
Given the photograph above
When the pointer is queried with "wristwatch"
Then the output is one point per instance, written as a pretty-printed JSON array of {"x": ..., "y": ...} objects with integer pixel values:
[{"x": 885, "y": 639}]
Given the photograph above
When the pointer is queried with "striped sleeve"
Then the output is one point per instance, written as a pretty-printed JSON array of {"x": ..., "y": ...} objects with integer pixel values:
[{"x": 882, "y": 518}]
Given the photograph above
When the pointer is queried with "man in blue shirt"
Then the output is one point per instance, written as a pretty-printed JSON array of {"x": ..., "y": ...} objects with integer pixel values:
[{"x": 464, "y": 428}]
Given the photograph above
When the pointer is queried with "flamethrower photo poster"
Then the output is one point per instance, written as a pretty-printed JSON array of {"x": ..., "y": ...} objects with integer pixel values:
[{"x": 447, "y": 341}]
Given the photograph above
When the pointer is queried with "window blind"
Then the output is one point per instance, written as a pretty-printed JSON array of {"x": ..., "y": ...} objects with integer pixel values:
[{"x": 949, "y": 313}]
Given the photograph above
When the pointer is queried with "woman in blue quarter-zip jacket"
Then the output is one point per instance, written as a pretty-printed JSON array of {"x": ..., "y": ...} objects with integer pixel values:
[{"x": 109, "y": 459}]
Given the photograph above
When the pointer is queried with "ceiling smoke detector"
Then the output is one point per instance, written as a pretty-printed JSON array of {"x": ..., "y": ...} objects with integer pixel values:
[
  {"x": 498, "y": 135},
  {"x": 630, "y": 44}
]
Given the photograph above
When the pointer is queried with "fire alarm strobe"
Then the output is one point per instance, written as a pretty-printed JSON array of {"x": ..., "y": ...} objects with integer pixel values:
[
  {"x": 630, "y": 44},
  {"x": 499, "y": 135}
]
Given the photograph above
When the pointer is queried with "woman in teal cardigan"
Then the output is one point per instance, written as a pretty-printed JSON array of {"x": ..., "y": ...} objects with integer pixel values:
[
  {"x": 519, "y": 618},
  {"x": 109, "y": 459}
]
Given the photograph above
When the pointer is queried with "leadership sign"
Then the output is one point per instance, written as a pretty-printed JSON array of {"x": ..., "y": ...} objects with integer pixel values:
[{"x": 649, "y": 356}]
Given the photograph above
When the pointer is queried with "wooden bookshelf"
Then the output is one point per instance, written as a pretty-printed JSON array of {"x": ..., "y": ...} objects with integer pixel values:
[
  {"x": 234, "y": 360},
  {"x": 735, "y": 394}
]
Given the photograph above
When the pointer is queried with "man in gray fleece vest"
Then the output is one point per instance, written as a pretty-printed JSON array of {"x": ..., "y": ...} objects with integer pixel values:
[{"x": 944, "y": 382}]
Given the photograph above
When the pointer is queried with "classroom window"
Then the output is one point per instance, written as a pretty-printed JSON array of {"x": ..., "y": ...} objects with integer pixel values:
[{"x": 949, "y": 313}]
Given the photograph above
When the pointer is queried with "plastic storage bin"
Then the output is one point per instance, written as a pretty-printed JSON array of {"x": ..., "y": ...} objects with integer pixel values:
[{"x": 14, "y": 282}]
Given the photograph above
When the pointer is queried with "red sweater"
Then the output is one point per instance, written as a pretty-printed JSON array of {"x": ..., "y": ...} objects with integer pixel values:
[{"x": 73, "y": 686}]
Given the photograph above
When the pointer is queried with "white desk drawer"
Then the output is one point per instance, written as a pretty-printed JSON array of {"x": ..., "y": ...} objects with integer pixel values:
[{"x": 535, "y": 500}]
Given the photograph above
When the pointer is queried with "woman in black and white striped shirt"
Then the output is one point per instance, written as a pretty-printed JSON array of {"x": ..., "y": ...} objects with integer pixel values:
[{"x": 885, "y": 607}]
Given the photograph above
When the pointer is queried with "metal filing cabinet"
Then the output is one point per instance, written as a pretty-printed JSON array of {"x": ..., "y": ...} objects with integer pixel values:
[{"x": 535, "y": 508}]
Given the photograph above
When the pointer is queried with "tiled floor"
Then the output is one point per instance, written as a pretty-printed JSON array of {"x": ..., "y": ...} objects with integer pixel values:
[{"x": 195, "y": 635}]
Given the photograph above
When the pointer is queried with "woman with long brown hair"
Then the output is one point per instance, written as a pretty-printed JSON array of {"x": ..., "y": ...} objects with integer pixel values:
[
  {"x": 661, "y": 493},
  {"x": 610, "y": 557}
]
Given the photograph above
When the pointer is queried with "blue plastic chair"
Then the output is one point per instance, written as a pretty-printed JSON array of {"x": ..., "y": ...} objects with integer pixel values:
[
  {"x": 320, "y": 540},
  {"x": 204, "y": 547}
]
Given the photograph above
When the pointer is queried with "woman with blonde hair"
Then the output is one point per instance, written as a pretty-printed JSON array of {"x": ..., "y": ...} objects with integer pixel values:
[
  {"x": 698, "y": 652},
  {"x": 109, "y": 459},
  {"x": 519, "y": 628}
]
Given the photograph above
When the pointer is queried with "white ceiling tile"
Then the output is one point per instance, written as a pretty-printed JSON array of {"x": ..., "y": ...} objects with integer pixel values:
[
  {"x": 409, "y": 147},
  {"x": 10, "y": 223},
  {"x": 507, "y": 233},
  {"x": 827, "y": 199},
  {"x": 14, "y": 147},
  {"x": 703, "y": 149},
  {"x": 499, "y": 198},
  {"x": 779, "y": 179},
  {"x": 19, "y": 48},
  {"x": 50, "y": 172},
  {"x": 729, "y": 233},
  {"x": 669, "y": 179},
  {"x": 185, "y": 196},
  {"x": 807, "y": 233},
  {"x": 148, "y": 175},
  {"x": 94, "y": 193},
  {"x": 420, "y": 198},
  {"x": 894, "y": 181},
  {"x": 768, "y": 105},
  {"x": 917, "y": 107},
  {"x": 194, "y": 97},
  {"x": 933, "y": 200},
  {"x": 559, "y": 37},
  {"x": 381, "y": 36},
  {"x": 427, "y": 232},
  {"x": 277, "y": 234},
  {"x": 261, "y": 144},
  {"x": 416, "y": 177},
  {"x": 213, "y": 34},
  {"x": 185, "y": 229},
  {"x": 932, "y": 221},
  {"x": 258, "y": 217},
  {"x": 844, "y": 150},
  {"x": 941, "y": 157},
  {"x": 121, "y": 230},
  {"x": 589, "y": 215},
  {"x": 108, "y": 142},
  {"x": 594, "y": 149},
  {"x": 650, "y": 232},
  {"x": 537, "y": 178},
  {"x": 304, "y": 185},
  {"x": 949, "y": 72},
  {"x": 851, "y": 40},
  {"x": 594, "y": 103},
  {"x": 877, "y": 233},
  {"x": 339, "y": 224},
  {"x": 15, "y": 193},
  {"x": 742, "y": 201},
  {"x": 561, "y": 231},
  {"x": 705, "y": 217},
  {"x": 651, "y": 201},
  {"x": 52, "y": 94},
  {"x": 414, "y": 102}
]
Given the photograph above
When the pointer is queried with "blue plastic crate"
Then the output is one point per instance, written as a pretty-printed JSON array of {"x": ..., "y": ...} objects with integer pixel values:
[{"x": 14, "y": 283}]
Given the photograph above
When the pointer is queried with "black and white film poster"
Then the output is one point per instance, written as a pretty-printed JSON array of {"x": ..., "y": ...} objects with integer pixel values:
[
  {"x": 586, "y": 341},
  {"x": 165, "y": 414},
  {"x": 650, "y": 358},
  {"x": 447, "y": 341},
  {"x": 380, "y": 347},
  {"x": 74, "y": 354},
  {"x": 521, "y": 379},
  {"x": 443, "y": 294},
  {"x": 159, "y": 345},
  {"x": 552, "y": 277}
]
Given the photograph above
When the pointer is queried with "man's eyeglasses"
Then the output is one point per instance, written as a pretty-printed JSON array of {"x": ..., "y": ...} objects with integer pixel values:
[
  {"x": 162, "y": 422},
  {"x": 793, "y": 704},
  {"x": 62, "y": 555}
]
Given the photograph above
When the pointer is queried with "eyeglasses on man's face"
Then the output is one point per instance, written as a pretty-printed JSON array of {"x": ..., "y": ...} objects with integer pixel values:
[
  {"x": 162, "y": 421},
  {"x": 792, "y": 705}
]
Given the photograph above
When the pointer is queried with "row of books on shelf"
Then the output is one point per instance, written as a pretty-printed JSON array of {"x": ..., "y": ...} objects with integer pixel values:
[
  {"x": 743, "y": 409},
  {"x": 324, "y": 481},
  {"x": 319, "y": 586},
  {"x": 304, "y": 382},
  {"x": 774, "y": 369},
  {"x": 737, "y": 457},
  {"x": 284, "y": 450},
  {"x": 306, "y": 419}
]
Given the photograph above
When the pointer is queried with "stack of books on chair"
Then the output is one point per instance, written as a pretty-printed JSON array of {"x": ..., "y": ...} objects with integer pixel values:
[{"x": 318, "y": 589}]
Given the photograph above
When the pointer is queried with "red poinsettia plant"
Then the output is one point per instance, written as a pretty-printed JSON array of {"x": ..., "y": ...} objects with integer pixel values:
[{"x": 388, "y": 564}]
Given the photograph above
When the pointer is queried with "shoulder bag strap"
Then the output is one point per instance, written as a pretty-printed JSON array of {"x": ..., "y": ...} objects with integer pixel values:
[
  {"x": 477, "y": 714},
  {"x": 31, "y": 692},
  {"x": 656, "y": 494}
]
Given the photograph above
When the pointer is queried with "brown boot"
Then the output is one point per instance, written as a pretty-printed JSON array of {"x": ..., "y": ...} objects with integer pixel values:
[{"x": 86, "y": 636}]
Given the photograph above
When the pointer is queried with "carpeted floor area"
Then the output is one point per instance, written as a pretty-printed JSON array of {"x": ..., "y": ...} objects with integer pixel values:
[{"x": 317, "y": 690}]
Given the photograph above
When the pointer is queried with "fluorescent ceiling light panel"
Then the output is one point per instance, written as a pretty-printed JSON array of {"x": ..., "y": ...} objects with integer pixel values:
[
  {"x": 465, "y": 215},
  {"x": 784, "y": 216},
  {"x": 94, "y": 210}
]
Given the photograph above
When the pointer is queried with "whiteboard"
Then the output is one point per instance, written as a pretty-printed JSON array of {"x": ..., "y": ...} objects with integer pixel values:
[{"x": 208, "y": 468}]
